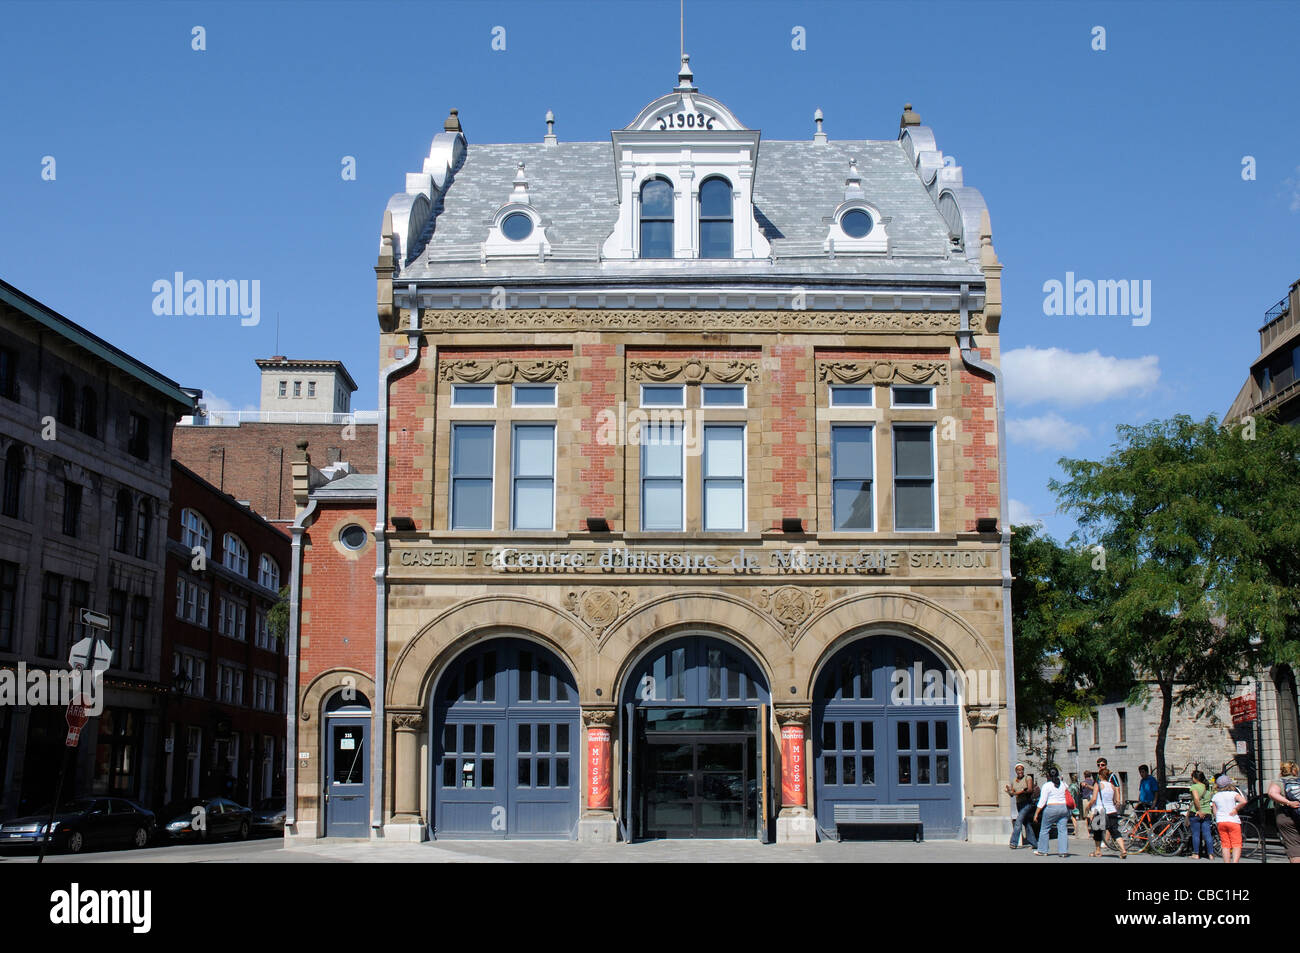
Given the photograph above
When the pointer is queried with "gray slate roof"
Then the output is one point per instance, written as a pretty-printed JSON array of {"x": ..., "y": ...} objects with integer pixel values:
[{"x": 798, "y": 184}]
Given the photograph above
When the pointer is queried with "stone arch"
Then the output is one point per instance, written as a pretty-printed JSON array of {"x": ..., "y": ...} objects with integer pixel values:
[
  {"x": 319, "y": 689},
  {"x": 731, "y": 618},
  {"x": 440, "y": 640},
  {"x": 921, "y": 619}
]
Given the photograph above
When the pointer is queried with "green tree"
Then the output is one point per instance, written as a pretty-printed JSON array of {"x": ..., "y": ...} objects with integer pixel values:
[
  {"x": 277, "y": 617},
  {"x": 1188, "y": 516}
]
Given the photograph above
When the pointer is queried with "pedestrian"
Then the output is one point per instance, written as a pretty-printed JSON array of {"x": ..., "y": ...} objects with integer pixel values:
[
  {"x": 1285, "y": 793},
  {"x": 1226, "y": 804},
  {"x": 1075, "y": 790},
  {"x": 1021, "y": 790},
  {"x": 1052, "y": 809},
  {"x": 1201, "y": 818},
  {"x": 1148, "y": 788},
  {"x": 1104, "y": 814}
]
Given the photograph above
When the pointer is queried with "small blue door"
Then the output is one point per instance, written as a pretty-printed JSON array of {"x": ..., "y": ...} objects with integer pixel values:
[
  {"x": 885, "y": 723},
  {"x": 347, "y": 772}
]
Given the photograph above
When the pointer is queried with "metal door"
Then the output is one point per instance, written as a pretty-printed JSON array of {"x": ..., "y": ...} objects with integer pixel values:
[{"x": 347, "y": 777}]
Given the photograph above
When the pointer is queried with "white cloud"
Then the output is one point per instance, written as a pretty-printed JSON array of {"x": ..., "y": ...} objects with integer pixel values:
[
  {"x": 1073, "y": 379},
  {"x": 212, "y": 402},
  {"x": 1293, "y": 186},
  {"x": 1048, "y": 432},
  {"x": 1018, "y": 513}
]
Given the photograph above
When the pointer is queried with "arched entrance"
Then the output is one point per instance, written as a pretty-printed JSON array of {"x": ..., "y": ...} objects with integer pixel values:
[
  {"x": 505, "y": 734},
  {"x": 1288, "y": 724},
  {"x": 694, "y": 724},
  {"x": 347, "y": 764},
  {"x": 886, "y": 731}
]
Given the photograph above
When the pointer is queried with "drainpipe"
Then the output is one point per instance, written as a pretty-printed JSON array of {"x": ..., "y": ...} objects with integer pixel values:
[
  {"x": 291, "y": 697},
  {"x": 971, "y": 356},
  {"x": 378, "y": 773}
]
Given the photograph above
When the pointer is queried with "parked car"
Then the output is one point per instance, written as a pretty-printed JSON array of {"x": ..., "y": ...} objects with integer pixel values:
[
  {"x": 83, "y": 822},
  {"x": 205, "y": 819},
  {"x": 269, "y": 816}
]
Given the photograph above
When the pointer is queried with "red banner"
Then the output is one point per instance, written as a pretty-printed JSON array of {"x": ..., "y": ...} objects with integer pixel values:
[
  {"x": 1242, "y": 708},
  {"x": 792, "y": 776},
  {"x": 599, "y": 792}
]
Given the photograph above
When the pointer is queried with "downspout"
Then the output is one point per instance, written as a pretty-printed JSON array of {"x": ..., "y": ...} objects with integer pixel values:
[
  {"x": 378, "y": 772},
  {"x": 970, "y": 355},
  {"x": 291, "y": 697}
]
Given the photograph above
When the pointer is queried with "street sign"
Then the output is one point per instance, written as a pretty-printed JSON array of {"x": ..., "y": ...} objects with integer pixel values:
[
  {"x": 90, "y": 653},
  {"x": 96, "y": 620},
  {"x": 77, "y": 719},
  {"x": 1243, "y": 709}
]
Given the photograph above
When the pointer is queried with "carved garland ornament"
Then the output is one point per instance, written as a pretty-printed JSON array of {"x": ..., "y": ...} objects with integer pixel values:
[
  {"x": 791, "y": 607},
  {"x": 502, "y": 371},
  {"x": 598, "y": 717},
  {"x": 693, "y": 371},
  {"x": 598, "y": 607},
  {"x": 837, "y": 322},
  {"x": 883, "y": 372},
  {"x": 408, "y": 721}
]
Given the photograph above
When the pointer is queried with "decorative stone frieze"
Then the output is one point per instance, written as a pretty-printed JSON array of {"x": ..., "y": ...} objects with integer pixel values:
[
  {"x": 559, "y": 319},
  {"x": 502, "y": 371},
  {"x": 883, "y": 372},
  {"x": 693, "y": 371}
]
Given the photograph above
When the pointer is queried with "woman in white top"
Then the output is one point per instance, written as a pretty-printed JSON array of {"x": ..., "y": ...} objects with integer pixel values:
[
  {"x": 1226, "y": 802},
  {"x": 1103, "y": 803},
  {"x": 1052, "y": 809}
]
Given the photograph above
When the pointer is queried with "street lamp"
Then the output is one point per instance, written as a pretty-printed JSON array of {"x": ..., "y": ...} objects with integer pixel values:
[{"x": 1256, "y": 644}]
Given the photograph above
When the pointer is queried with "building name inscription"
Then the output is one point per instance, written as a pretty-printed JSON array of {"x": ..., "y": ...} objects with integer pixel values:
[{"x": 618, "y": 559}]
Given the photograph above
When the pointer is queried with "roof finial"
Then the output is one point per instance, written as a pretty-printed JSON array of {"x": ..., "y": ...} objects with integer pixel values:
[
  {"x": 453, "y": 122},
  {"x": 550, "y": 139},
  {"x": 520, "y": 192},
  {"x": 853, "y": 184},
  {"x": 819, "y": 137},
  {"x": 909, "y": 118},
  {"x": 685, "y": 78}
]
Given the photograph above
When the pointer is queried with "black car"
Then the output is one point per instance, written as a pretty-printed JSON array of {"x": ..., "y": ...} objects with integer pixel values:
[
  {"x": 205, "y": 819},
  {"x": 269, "y": 816},
  {"x": 83, "y": 822}
]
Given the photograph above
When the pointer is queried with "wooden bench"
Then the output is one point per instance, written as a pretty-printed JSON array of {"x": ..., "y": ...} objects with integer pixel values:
[{"x": 875, "y": 814}]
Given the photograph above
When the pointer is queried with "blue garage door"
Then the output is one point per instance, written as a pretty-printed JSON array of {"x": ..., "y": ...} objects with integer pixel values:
[
  {"x": 885, "y": 731},
  {"x": 506, "y": 745}
]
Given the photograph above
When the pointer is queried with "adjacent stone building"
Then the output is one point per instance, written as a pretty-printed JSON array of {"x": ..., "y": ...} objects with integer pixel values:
[{"x": 689, "y": 516}]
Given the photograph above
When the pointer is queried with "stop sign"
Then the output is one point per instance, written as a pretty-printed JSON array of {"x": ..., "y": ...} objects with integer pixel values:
[{"x": 76, "y": 715}]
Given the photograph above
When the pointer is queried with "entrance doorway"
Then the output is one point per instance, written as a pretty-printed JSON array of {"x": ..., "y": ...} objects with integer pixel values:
[
  {"x": 695, "y": 744},
  {"x": 347, "y": 766}
]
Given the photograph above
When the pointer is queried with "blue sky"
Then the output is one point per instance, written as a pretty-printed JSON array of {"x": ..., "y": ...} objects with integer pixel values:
[{"x": 1117, "y": 164}]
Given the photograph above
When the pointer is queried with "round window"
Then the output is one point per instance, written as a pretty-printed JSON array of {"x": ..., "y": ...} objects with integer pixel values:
[
  {"x": 856, "y": 223},
  {"x": 353, "y": 536},
  {"x": 517, "y": 226}
]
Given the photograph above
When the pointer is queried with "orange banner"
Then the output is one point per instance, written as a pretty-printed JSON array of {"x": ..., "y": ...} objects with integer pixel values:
[
  {"x": 792, "y": 776},
  {"x": 599, "y": 792}
]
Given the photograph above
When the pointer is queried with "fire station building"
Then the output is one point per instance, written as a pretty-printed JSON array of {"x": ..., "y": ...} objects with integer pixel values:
[{"x": 690, "y": 512}]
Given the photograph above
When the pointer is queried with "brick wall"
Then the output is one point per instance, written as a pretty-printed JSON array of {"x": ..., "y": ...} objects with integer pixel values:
[{"x": 338, "y": 595}]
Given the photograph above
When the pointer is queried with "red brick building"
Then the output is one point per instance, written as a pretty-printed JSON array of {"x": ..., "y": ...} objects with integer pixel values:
[{"x": 224, "y": 724}]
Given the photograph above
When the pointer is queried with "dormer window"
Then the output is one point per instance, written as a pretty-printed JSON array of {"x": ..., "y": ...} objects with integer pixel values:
[
  {"x": 856, "y": 223},
  {"x": 657, "y": 219},
  {"x": 516, "y": 230},
  {"x": 715, "y": 218},
  {"x": 517, "y": 226}
]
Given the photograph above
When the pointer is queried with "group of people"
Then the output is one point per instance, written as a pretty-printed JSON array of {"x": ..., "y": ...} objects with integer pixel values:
[{"x": 1096, "y": 799}]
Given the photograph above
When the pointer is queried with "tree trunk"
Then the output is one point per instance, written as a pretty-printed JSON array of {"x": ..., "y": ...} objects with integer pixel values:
[{"x": 1162, "y": 732}]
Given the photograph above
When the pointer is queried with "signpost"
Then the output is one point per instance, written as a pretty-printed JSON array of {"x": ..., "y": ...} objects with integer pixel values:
[
  {"x": 89, "y": 653},
  {"x": 1243, "y": 709}
]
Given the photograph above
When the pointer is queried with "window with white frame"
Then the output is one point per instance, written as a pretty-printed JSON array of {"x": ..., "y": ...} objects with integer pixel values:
[
  {"x": 716, "y": 229},
  {"x": 232, "y": 619},
  {"x": 852, "y": 468},
  {"x": 230, "y": 684},
  {"x": 261, "y": 630},
  {"x": 195, "y": 531},
  {"x": 914, "y": 482},
  {"x": 663, "y": 395},
  {"x": 662, "y": 494},
  {"x": 235, "y": 554},
  {"x": 919, "y": 397},
  {"x": 656, "y": 218},
  {"x": 191, "y": 601},
  {"x": 471, "y": 476},
  {"x": 849, "y": 395},
  {"x": 473, "y": 395},
  {"x": 263, "y": 691},
  {"x": 533, "y": 395},
  {"x": 268, "y": 573},
  {"x": 193, "y": 668},
  {"x": 722, "y": 395},
  {"x": 723, "y": 471},
  {"x": 533, "y": 477}
]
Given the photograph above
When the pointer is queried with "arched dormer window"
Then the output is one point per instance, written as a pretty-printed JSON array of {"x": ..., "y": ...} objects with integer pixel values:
[
  {"x": 122, "y": 521},
  {"x": 236, "y": 554},
  {"x": 716, "y": 231},
  {"x": 657, "y": 219},
  {"x": 89, "y": 412},
  {"x": 195, "y": 531},
  {"x": 268, "y": 573}
]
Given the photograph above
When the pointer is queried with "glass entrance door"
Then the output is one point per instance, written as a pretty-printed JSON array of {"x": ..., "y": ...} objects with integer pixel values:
[{"x": 698, "y": 786}]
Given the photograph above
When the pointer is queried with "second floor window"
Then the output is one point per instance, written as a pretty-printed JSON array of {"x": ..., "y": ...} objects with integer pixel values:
[
  {"x": 122, "y": 521},
  {"x": 232, "y": 620},
  {"x": 662, "y": 496},
  {"x": 191, "y": 602},
  {"x": 51, "y": 614},
  {"x": 533, "y": 479},
  {"x": 471, "y": 476},
  {"x": 914, "y": 499},
  {"x": 139, "y": 632},
  {"x": 11, "y": 497},
  {"x": 66, "y": 412},
  {"x": 143, "y": 525},
  {"x": 236, "y": 554},
  {"x": 657, "y": 219},
  {"x": 723, "y": 464},
  {"x": 71, "y": 508},
  {"x": 8, "y": 373},
  {"x": 138, "y": 436},
  {"x": 715, "y": 219},
  {"x": 851, "y": 478},
  {"x": 8, "y": 604}
]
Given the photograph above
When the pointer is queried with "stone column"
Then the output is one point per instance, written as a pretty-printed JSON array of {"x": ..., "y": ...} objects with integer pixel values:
[
  {"x": 597, "y": 824},
  {"x": 987, "y": 820},
  {"x": 795, "y": 823},
  {"x": 407, "y": 823}
]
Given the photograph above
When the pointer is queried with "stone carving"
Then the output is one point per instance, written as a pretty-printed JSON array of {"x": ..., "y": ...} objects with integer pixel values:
[
  {"x": 598, "y": 607},
  {"x": 408, "y": 720},
  {"x": 982, "y": 717},
  {"x": 884, "y": 372},
  {"x": 790, "y": 606},
  {"x": 793, "y": 715},
  {"x": 598, "y": 717},
  {"x": 559, "y": 319},
  {"x": 502, "y": 371},
  {"x": 693, "y": 371}
]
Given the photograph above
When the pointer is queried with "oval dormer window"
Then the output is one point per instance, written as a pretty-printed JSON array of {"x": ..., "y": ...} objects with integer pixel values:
[
  {"x": 856, "y": 223},
  {"x": 517, "y": 226}
]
